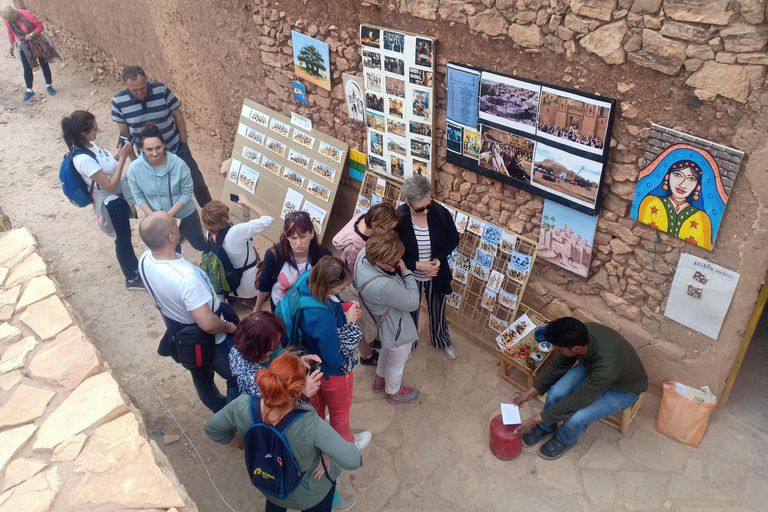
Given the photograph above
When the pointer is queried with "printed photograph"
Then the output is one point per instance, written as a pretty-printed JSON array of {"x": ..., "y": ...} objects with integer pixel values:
[
  {"x": 420, "y": 168},
  {"x": 311, "y": 60},
  {"x": 508, "y": 300},
  {"x": 423, "y": 129},
  {"x": 395, "y": 87},
  {"x": 518, "y": 266},
  {"x": 364, "y": 202},
  {"x": 509, "y": 102},
  {"x": 299, "y": 159},
  {"x": 377, "y": 165},
  {"x": 471, "y": 144},
  {"x": 396, "y": 145},
  {"x": 254, "y": 136},
  {"x": 294, "y": 177},
  {"x": 497, "y": 324},
  {"x": 375, "y": 121},
  {"x": 508, "y": 242},
  {"x": 251, "y": 154},
  {"x": 566, "y": 237},
  {"x": 376, "y": 143},
  {"x": 505, "y": 153},
  {"x": 259, "y": 118},
  {"x": 489, "y": 299},
  {"x": 371, "y": 60},
  {"x": 573, "y": 120},
  {"x": 394, "y": 41},
  {"x": 454, "y": 300},
  {"x": 370, "y": 36},
  {"x": 454, "y": 135},
  {"x": 373, "y": 82},
  {"x": 280, "y": 128},
  {"x": 291, "y": 203},
  {"x": 323, "y": 171},
  {"x": 318, "y": 190},
  {"x": 316, "y": 215},
  {"x": 306, "y": 140},
  {"x": 495, "y": 280},
  {"x": 461, "y": 220},
  {"x": 396, "y": 107},
  {"x": 476, "y": 226},
  {"x": 374, "y": 101},
  {"x": 271, "y": 166},
  {"x": 421, "y": 149},
  {"x": 396, "y": 127},
  {"x": 394, "y": 65},
  {"x": 420, "y": 104},
  {"x": 420, "y": 77},
  {"x": 234, "y": 170},
  {"x": 275, "y": 147},
  {"x": 567, "y": 175},
  {"x": 248, "y": 178},
  {"x": 396, "y": 167},
  {"x": 460, "y": 275},
  {"x": 423, "y": 52},
  {"x": 330, "y": 151},
  {"x": 353, "y": 95},
  {"x": 380, "y": 187}
]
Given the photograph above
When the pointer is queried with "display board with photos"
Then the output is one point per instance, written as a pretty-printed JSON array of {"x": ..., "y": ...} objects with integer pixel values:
[
  {"x": 284, "y": 167},
  {"x": 398, "y": 75},
  {"x": 490, "y": 270},
  {"x": 547, "y": 140}
]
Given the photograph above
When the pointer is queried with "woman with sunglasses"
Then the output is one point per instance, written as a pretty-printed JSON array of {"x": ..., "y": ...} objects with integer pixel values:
[
  {"x": 296, "y": 252},
  {"x": 429, "y": 236}
]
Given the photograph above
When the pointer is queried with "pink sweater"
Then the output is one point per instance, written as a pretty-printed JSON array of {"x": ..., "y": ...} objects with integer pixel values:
[
  {"x": 36, "y": 24},
  {"x": 350, "y": 244}
]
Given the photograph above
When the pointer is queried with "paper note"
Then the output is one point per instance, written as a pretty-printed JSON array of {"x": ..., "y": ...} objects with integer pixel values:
[{"x": 510, "y": 414}]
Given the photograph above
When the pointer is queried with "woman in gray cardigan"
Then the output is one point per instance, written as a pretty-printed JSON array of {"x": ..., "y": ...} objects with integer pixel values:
[{"x": 389, "y": 291}]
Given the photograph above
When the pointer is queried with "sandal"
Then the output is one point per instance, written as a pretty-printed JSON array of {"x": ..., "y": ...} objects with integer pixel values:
[
  {"x": 375, "y": 388},
  {"x": 371, "y": 361}
]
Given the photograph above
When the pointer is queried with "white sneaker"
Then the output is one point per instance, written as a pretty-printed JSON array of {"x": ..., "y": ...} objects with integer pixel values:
[
  {"x": 346, "y": 503},
  {"x": 362, "y": 439},
  {"x": 450, "y": 352}
]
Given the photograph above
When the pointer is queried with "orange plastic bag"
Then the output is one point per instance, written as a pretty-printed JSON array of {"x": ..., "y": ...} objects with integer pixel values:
[{"x": 682, "y": 419}]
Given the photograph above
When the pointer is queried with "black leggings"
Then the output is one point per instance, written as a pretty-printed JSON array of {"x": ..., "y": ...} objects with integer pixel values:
[
  {"x": 119, "y": 213},
  {"x": 28, "y": 76}
]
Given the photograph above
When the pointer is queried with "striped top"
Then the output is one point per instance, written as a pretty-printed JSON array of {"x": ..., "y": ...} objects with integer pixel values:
[
  {"x": 156, "y": 107},
  {"x": 425, "y": 250}
]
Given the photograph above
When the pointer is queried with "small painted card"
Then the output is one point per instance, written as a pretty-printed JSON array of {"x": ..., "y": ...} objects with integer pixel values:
[{"x": 248, "y": 178}]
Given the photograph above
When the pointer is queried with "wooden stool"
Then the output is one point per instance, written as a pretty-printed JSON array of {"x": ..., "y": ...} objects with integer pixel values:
[{"x": 627, "y": 415}]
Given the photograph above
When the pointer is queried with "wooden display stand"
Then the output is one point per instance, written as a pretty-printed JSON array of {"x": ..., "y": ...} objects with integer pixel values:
[{"x": 505, "y": 360}]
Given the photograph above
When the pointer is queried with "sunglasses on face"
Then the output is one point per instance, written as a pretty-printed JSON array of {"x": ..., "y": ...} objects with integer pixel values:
[
  {"x": 426, "y": 207},
  {"x": 289, "y": 216}
]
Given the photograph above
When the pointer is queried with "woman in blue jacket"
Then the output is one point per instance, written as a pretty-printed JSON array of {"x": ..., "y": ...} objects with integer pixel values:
[
  {"x": 333, "y": 334},
  {"x": 160, "y": 180}
]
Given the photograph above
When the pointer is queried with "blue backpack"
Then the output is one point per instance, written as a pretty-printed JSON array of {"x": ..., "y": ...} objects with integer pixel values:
[
  {"x": 72, "y": 183},
  {"x": 290, "y": 308},
  {"x": 270, "y": 462}
]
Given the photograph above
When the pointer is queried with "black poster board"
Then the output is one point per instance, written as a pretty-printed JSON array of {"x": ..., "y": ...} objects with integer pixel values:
[{"x": 547, "y": 140}]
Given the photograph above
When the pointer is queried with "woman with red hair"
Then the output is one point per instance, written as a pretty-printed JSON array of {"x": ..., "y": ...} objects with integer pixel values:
[{"x": 308, "y": 436}]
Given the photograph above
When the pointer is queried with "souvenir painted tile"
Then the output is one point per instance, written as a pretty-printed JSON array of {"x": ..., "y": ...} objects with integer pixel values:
[
  {"x": 271, "y": 166},
  {"x": 299, "y": 159},
  {"x": 460, "y": 275},
  {"x": 461, "y": 262},
  {"x": 476, "y": 226},
  {"x": 508, "y": 242},
  {"x": 518, "y": 267},
  {"x": 454, "y": 300},
  {"x": 480, "y": 272},
  {"x": 280, "y": 128},
  {"x": 319, "y": 191},
  {"x": 294, "y": 177},
  {"x": 515, "y": 332},
  {"x": 254, "y": 136},
  {"x": 486, "y": 246},
  {"x": 495, "y": 280},
  {"x": 461, "y": 221},
  {"x": 260, "y": 118},
  {"x": 306, "y": 140},
  {"x": 506, "y": 299},
  {"x": 323, "y": 171},
  {"x": 330, "y": 151},
  {"x": 497, "y": 324},
  {"x": 484, "y": 258},
  {"x": 492, "y": 233},
  {"x": 363, "y": 201},
  {"x": 489, "y": 299},
  {"x": 277, "y": 147}
]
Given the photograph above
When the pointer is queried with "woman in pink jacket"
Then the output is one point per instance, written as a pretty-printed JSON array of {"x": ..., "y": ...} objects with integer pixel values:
[
  {"x": 350, "y": 241},
  {"x": 24, "y": 31}
]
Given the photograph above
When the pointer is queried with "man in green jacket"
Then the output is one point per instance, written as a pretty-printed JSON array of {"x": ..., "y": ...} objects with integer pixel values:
[{"x": 608, "y": 376}]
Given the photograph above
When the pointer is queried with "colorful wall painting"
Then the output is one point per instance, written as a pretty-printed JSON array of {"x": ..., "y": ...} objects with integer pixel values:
[
  {"x": 311, "y": 60},
  {"x": 566, "y": 237}
]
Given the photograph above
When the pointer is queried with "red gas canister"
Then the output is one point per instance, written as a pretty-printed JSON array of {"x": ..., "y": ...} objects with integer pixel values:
[{"x": 504, "y": 444}]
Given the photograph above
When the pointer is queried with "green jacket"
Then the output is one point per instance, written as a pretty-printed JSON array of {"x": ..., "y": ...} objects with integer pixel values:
[
  {"x": 612, "y": 363},
  {"x": 307, "y": 437}
]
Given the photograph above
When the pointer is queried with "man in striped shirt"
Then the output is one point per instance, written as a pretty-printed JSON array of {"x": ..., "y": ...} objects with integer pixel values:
[{"x": 142, "y": 101}]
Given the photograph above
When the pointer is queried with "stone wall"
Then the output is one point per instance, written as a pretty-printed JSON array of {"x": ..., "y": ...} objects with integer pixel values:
[{"x": 696, "y": 66}]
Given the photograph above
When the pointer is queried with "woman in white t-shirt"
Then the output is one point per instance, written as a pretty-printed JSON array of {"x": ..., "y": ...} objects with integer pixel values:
[
  {"x": 237, "y": 239},
  {"x": 104, "y": 177}
]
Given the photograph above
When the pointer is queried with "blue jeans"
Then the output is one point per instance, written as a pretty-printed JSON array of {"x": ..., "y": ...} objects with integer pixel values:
[
  {"x": 202, "y": 378},
  {"x": 606, "y": 404},
  {"x": 326, "y": 505}
]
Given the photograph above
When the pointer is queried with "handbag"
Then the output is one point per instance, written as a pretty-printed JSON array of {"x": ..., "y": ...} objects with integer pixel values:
[{"x": 194, "y": 347}]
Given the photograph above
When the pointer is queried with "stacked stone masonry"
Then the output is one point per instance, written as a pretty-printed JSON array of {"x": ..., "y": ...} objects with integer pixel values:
[{"x": 69, "y": 440}]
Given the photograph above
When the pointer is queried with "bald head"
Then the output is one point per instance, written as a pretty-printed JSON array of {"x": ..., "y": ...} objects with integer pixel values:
[{"x": 156, "y": 228}]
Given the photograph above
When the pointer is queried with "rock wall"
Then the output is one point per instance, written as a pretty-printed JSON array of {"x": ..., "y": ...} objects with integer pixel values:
[{"x": 696, "y": 66}]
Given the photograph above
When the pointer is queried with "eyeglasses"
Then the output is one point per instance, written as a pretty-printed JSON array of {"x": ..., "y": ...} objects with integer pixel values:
[
  {"x": 419, "y": 210},
  {"x": 289, "y": 216}
]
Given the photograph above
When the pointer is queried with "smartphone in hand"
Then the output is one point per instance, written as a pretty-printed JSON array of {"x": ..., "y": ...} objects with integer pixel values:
[
  {"x": 124, "y": 136},
  {"x": 315, "y": 366},
  {"x": 234, "y": 198}
]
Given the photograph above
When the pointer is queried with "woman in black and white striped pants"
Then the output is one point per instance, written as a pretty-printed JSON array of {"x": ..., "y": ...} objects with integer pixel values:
[{"x": 429, "y": 235}]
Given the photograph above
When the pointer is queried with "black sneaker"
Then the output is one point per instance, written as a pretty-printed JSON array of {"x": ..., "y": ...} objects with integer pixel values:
[
  {"x": 376, "y": 344},
  {"x": 533, "y": 437},
  {"x": 553, "y": 449},
  {"x": 135, "y": 284}
]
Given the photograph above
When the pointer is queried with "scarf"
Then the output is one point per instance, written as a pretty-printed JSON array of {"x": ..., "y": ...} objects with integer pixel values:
[{"x": 39, "y": 42}]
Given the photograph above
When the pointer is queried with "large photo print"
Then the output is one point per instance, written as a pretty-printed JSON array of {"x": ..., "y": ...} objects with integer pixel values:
[
  {"x": 509, "y": 102},
  {"x": 506, "y": 154},
  {"x": 573, "y": 120},
  {"x": 567, "y": 175}
]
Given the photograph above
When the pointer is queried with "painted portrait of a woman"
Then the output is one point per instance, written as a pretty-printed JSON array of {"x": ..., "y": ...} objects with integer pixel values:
[{"x": 682, "y": 194}]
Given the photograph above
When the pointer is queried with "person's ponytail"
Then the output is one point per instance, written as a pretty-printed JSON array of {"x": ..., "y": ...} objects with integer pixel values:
[
  {"x": 72, "y": 128},
  {"x": 281, "y": 383}
]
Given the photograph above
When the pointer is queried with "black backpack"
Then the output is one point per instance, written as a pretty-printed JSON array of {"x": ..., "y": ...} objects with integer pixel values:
[{"x": 224, "y": 277}]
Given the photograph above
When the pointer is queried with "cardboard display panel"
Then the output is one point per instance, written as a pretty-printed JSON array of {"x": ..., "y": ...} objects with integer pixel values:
[{"x": 283, "y": 166}]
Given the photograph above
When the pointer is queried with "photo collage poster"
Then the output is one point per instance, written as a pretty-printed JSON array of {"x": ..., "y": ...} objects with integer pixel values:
[
  {"x": 398, "y": 75},
  {"x": 548, "y": 141},
  {"x": 293, "y": 157}
]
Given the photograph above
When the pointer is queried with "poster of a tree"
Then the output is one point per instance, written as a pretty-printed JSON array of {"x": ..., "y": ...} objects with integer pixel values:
[{"x": 311, "y": 59}]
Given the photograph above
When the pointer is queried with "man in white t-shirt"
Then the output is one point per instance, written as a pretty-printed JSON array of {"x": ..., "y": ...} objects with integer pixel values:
[{"x": 185, "y": 297}]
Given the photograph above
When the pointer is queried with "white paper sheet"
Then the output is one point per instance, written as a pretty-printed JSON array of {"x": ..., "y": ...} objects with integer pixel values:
[{"x": 510, "y": 414}]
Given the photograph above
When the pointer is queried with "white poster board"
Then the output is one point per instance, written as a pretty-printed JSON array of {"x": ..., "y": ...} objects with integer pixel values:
[{"x": 701, "y": 294}]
